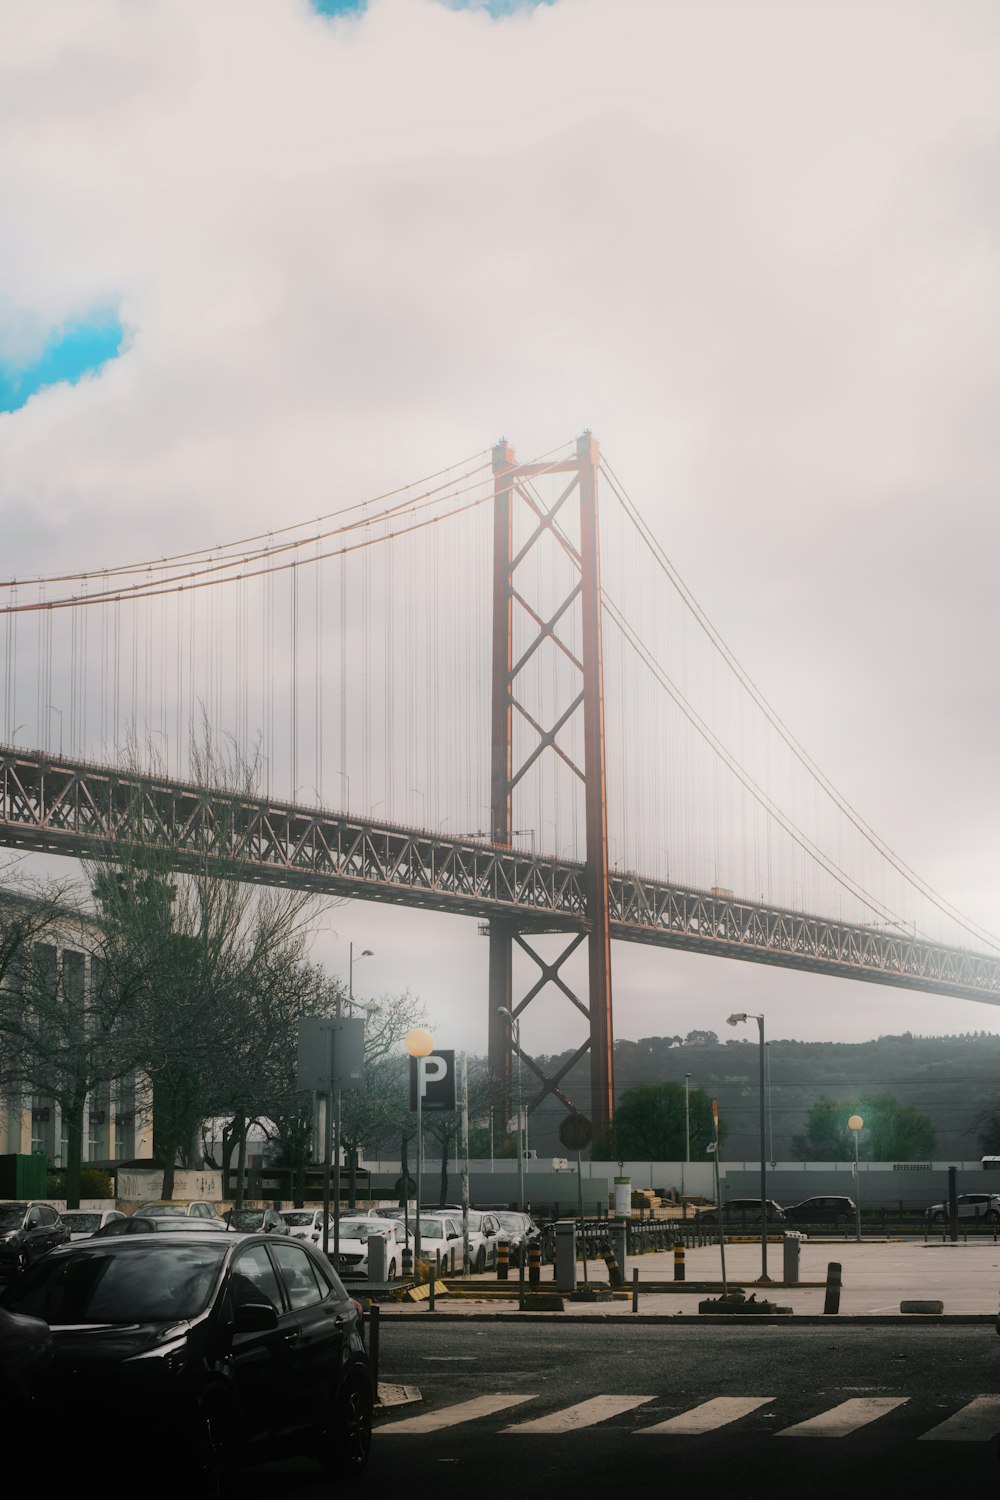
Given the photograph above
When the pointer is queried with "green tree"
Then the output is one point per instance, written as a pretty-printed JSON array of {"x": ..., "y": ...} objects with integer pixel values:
[
  {"x": 649, "y": 1125},
  {"x": 892, "y": 1131}
]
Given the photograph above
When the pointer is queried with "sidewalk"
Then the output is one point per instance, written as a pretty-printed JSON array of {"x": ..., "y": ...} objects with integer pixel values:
[{"x": 877, "y": 1276}]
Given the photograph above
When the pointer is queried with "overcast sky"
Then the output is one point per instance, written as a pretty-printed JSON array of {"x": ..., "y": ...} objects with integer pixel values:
[{"x": 752, "y": 245}]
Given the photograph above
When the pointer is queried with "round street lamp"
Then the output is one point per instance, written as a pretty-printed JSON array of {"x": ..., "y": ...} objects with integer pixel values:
[
  {"x": 737, "y": 1019},
  {"x": 419, "y": 1043},
  {"x": 855, "y": 1124}
]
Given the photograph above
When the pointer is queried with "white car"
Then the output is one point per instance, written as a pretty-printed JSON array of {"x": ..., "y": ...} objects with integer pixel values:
[
  {"x": 177, "y": 1208},
  {"x": 984, "y": 1206},
  {"x": 305, "y": 1224},
  {"x": 485, "y": 1233},
  {"x": 355, "y": 1232},
  {"x": 82, "y": 1222}
]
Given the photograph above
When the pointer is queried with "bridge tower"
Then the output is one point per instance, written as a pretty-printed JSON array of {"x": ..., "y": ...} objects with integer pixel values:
[{"x": 513, "y": 488}]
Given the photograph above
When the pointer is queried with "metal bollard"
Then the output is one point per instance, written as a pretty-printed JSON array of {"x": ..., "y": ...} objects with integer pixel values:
[
  {"x": 503, "y": 1261},
  {"x": 635, "y": 1288},
  {"x": 430, "y": 1292},
  {"x": 833, "y": 1286},
  {"x": 520, "y": 1285},
  {"x": 679, "y": 1269},
  {"x": 407, "y": 1263},
  {"x": 534, "y": 1266},
  {"x": 615, "y": 1277}
]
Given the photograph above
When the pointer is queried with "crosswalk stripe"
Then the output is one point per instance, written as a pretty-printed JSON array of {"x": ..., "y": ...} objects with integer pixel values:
[
  {"x": 584, "y": 1414},
  {"x": 976, "y": 1422},
  {"x": 451, "y": 1416},
  {"x": 844, "y": 1418},
  {"x": 709, "y": 1415}
]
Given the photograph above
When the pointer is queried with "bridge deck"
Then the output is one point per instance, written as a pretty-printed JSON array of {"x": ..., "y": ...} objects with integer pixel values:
[{"x": 54, "y": 805}]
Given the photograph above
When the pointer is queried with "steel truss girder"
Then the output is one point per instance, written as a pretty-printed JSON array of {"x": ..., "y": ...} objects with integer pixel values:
[{"x": 52, "y": 805}]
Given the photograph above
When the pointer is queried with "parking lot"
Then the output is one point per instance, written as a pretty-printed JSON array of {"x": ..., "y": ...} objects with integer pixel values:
[{"x": 877, "y": 1277}]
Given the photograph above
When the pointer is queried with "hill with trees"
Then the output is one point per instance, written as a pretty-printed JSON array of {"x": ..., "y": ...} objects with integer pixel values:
[{"x": 939, "y": 1094}]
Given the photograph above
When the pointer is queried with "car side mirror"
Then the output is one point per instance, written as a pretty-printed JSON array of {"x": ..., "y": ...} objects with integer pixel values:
[{"x": 255, "y": 1317}]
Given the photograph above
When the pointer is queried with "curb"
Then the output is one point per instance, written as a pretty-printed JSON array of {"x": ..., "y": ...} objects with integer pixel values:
[{"x": 783, "y": 1320}]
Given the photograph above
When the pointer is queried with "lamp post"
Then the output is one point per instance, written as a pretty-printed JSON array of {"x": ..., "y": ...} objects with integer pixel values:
[
  {"x": 365, "y": 953},
  {"x": 734, "y": 1020},
  {"x": 687, "y": 1135},
  {"x": 419, "y": 1043},
  {"x": 515, "y": 1029},
  {"x": 855, "y": 1124}
]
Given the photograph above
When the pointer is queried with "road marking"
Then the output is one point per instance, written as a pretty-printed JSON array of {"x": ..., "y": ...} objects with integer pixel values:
[
  {"x": 845, "y": 1418},
  {"x": 451, "y": 1416},
  {"x": 710, "y": 1415},
  {"x": 584, "y": 1414},
  {"x": 975, "y": 1423}
]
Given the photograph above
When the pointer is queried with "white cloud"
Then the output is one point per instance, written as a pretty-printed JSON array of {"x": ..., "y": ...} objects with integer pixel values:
[{"x": 754, "y": 247}]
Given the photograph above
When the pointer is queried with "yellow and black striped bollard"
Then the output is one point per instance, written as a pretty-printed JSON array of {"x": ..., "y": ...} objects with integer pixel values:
[
  {"x": 503, "y": 1260},
  {"x": 615, "y": 1276},
  {"x": 534, "y": 1266},
  {"x": 679, "y": 1263}
]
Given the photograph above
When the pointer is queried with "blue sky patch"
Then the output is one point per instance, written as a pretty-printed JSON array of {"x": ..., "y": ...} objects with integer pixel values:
[
  {"x": 496, "y": 8},
  {"x": 75, "y": 350}
]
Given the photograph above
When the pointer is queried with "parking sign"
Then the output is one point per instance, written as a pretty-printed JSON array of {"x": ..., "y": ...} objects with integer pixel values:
[{"x": 436, "y": 1075}]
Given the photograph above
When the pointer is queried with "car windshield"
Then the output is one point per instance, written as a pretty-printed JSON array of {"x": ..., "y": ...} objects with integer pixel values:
[
  {"x": 360, "y": 1229},
  {"x": 82, "y": 1223},
  {"x": 511, "y": 1222},
  {"x": 10, "y": 1218},
  {"x": 246, "y": 1218},
  {"x": 432, "y": 1229},
  {"x": 300, "y": 1220},
  {"x": 151, "y": 1282},
  {"x": 161, "y": 1210}
]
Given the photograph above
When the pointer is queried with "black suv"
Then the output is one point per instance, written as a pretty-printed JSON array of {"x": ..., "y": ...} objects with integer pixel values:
[
  {"x": 223, "y": 1349},
  {"x": 742, "y": 1211},
  {"x": 27, "y": 1232},
  {"x": 823, "y": 1211}
]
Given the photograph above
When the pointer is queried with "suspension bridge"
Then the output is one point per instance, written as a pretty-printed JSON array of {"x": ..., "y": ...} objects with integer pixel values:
[{"x": 561, "y": 745}]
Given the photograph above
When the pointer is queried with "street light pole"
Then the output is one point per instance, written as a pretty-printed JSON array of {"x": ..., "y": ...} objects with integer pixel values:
[
  {"x": 734, "y": 1020},
  {"x": 687, "y": 1135},
  {"x": 419, "y": 1044},
  {"x": 515, "y": 1029},
  {"x": 855, "y": 1124}
]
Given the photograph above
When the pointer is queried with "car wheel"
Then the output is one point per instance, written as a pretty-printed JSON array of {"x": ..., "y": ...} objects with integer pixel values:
[
  {"x": 992, "y": 1217},
  {"x": 938, "y": 1218},
  {"x": 347, "y": 1441},
  {"x": 23, "y": 1260}
]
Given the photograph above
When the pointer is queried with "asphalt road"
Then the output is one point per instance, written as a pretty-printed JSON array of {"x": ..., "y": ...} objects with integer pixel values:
[{"x": 839, "y": 1411}]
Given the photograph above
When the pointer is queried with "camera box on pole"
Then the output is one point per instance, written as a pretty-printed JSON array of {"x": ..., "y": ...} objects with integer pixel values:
[{"x": 331, "y": 1054}]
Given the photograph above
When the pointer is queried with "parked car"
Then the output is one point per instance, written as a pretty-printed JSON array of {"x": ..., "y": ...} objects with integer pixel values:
[
  {"x": 742, "y": 1211},
  {"x": 970, "y": 1206},
  {"x": 521, "y": 1233},
  {"x": 441, "y": 1238},
  {"x": 822, "y": 1211},
  {"x": 304, "y": 1223},
  {"x": 172, "y": 1207},
  {"x": 485, "y": 1232},
  {"x": 143, "y": 1224},
  {"x": 27, "y": 1232},
  {"x": 223, "y": 1350},
  {"x": 83, "y": 1222},
  {"x": 352, "y": 1244},
  {"x": 255, "y": 1220}
]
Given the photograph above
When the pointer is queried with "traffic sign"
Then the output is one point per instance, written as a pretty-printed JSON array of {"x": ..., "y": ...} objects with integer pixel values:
[
  {"x": 435, "y": 1077},
  {"x": 576, "y": 1132}
]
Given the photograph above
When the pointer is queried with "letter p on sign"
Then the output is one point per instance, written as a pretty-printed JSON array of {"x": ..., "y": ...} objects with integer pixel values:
[{"x": 435, "y": 1077}]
